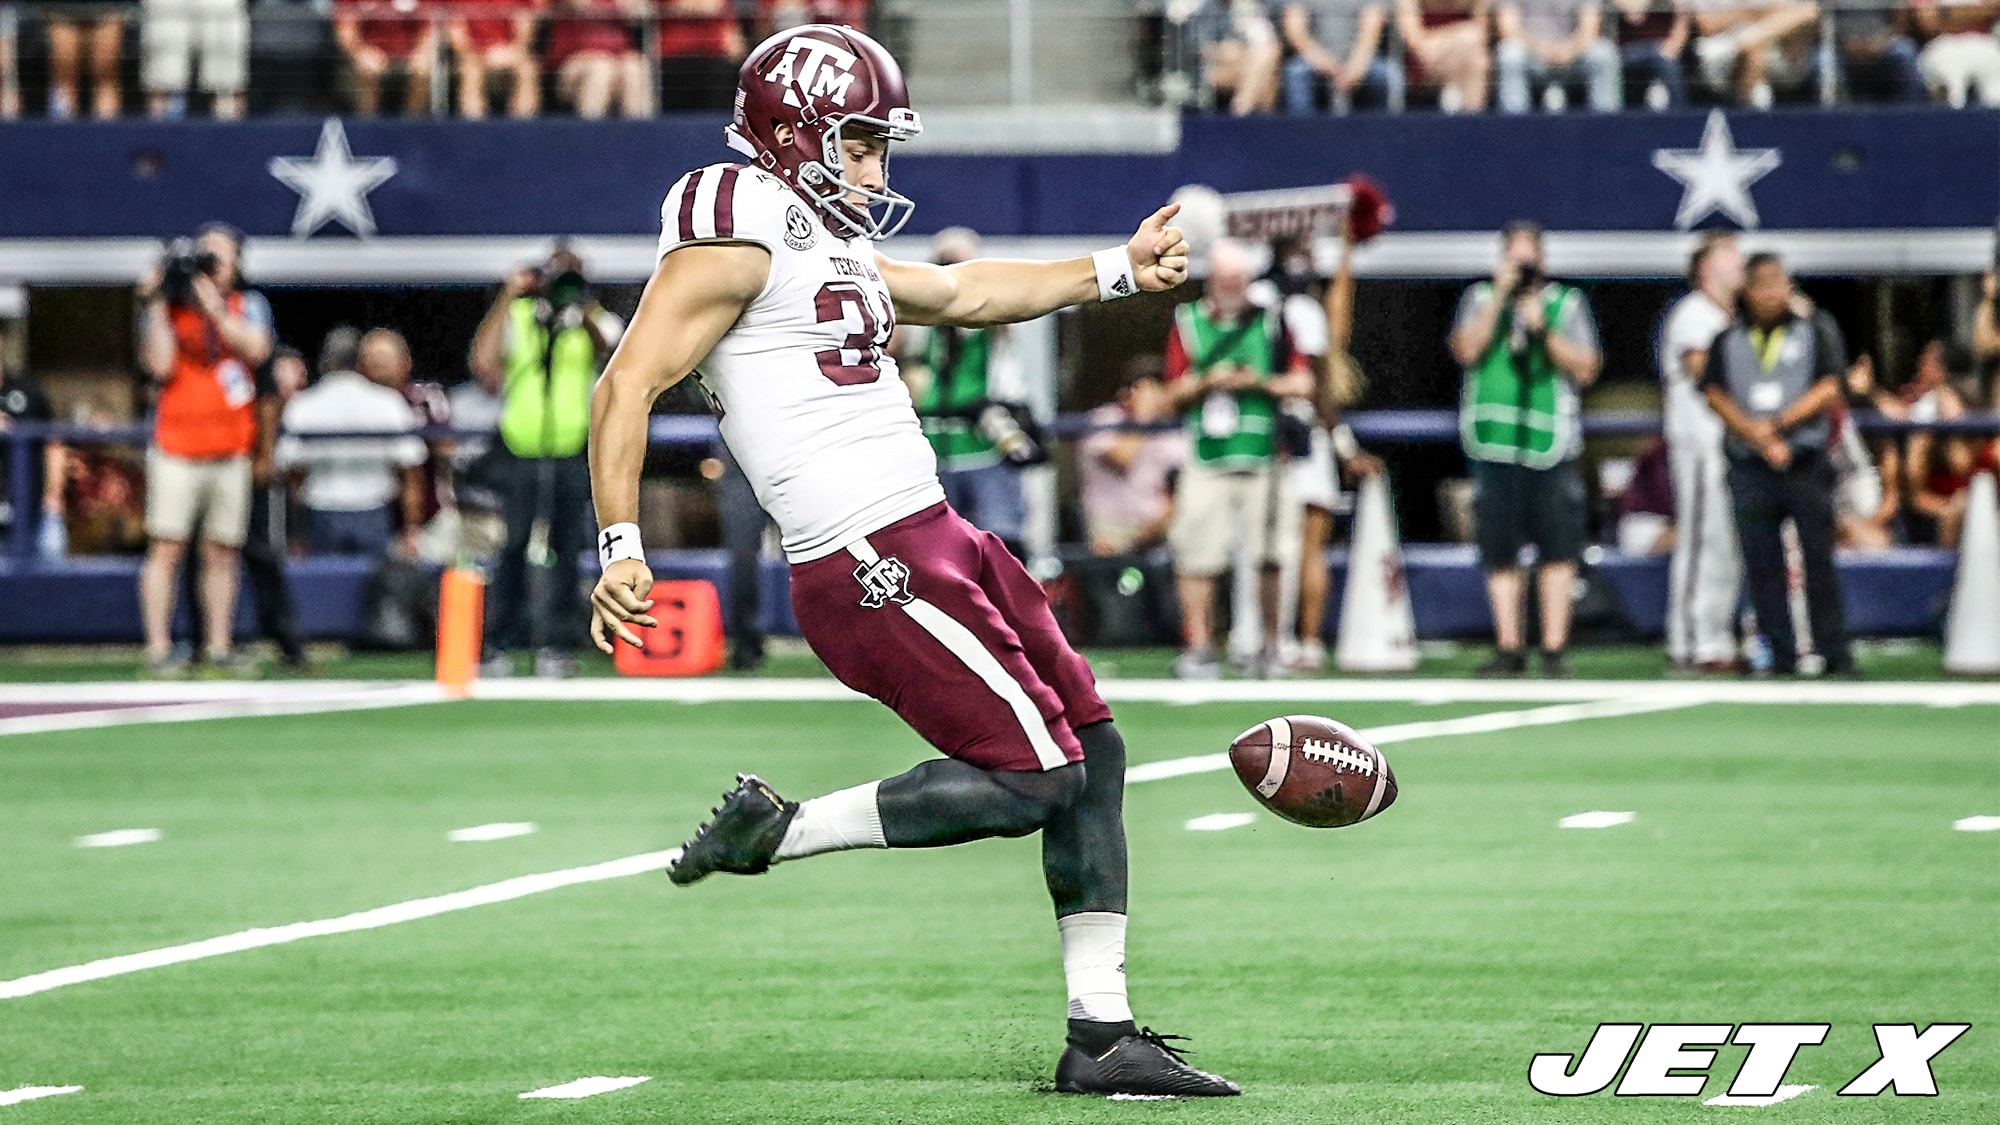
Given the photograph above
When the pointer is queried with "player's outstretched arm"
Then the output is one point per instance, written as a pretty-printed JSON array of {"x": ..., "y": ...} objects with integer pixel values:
[
  {"x": 695, "y": 295},
  {"x": 987, "y": 291}
]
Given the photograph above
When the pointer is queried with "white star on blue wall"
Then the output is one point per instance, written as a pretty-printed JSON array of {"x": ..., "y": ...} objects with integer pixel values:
[
  {"x": 1717, "y": 176},
  {"x": 333, "y": 186}
]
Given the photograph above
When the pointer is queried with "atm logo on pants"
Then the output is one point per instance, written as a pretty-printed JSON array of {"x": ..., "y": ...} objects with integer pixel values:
[{"x": 1671, "y": 1060}]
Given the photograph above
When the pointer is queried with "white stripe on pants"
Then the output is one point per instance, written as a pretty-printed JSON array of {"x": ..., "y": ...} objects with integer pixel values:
[{"x": 1707, "y": 566}]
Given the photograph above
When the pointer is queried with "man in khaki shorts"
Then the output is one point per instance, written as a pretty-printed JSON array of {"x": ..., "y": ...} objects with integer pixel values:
[
  {"x": 1229, "y": 365},
  {"x": 204, "y": 336}
]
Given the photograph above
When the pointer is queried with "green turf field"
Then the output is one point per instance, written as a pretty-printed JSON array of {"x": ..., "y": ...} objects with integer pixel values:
[{"x": 1787, "y": 863}]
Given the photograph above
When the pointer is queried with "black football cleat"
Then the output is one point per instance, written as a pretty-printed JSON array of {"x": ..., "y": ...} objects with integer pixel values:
[
  {"x": 743, "y": 837},
  {"x": 1139, "y": 1066}
]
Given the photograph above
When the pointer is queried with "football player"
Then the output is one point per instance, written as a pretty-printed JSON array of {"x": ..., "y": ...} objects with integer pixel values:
[{"x": 770, "y": 293}]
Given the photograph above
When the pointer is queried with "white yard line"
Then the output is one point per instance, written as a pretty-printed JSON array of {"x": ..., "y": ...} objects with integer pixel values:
[
  {"x": 1221, "y": 822},
  {"x": 653, "y": 861},
  {"x": 1784, "y": 1094},
  {"x": 1977, "y": 824},
  {"x": 481, "y": 833},
  {"x": 29, "y": 1093},
  {"x": 1596, "y": 820},
  {"x": 586, "y": 1087},
  {"x": 119, "y": 838},
  {"x": 503, "y": 891},
  {"x": 202, "y": 707}
]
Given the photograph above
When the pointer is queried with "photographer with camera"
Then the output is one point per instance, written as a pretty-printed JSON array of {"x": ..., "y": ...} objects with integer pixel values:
[
  {"x": 965, "y": 384},
  {"x": 543, "y": 343},
  {"x": 204, "y": 335},
  {"x": 1528, "y": 344}
]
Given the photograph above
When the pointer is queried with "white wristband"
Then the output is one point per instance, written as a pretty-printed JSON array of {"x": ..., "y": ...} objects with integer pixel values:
[
  {"x": 1114, "y": 274},
  {"x": 1344, "y": 445},
  {"x": 619, "y": 541}
]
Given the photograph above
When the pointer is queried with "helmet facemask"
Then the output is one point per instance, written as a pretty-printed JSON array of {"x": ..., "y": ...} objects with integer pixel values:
[{"x": 878, "y": 214}]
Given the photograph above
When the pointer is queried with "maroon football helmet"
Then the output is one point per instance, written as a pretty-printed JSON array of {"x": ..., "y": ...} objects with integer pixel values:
[{"x": 818, "y": 80}]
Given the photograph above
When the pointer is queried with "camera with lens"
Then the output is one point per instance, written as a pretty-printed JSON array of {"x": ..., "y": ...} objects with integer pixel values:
[
  {"x": 563, "y": 297},
  {"x": 1531, "y": 279},
  {"x": 185, "y": 261}
]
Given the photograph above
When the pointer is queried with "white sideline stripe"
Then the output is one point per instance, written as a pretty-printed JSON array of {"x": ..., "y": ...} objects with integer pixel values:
[
  {"x": 1784, "y": 1094},
  {"x": 507, "y": 889},
  {"x": 1220, "y": 822},
  {"x": 29, "y": 1093},
  {"x": 1596, "y": 820},
  {"x": 587, "y": 1087},
  {"x": 1433, "y": 728},
  {"x": 118, "y": 838},
  {"x": 1349, "y": 690},
  {"x": 480, "y": 833},
  {"x": 309, "y": 703},
  {"x": 1978, "y": 824}
]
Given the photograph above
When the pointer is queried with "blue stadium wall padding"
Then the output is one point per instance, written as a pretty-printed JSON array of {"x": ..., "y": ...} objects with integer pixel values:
[
  {"x": 1901, "y": 592},
  {"x": 1852, "y": 169}
]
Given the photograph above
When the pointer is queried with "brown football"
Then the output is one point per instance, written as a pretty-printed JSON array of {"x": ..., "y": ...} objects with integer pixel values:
[{"x": 1313, "y": 771}]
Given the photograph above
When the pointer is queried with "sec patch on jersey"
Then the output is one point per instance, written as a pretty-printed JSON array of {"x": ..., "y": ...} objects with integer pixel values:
[{"x": 1313, "y": 771}]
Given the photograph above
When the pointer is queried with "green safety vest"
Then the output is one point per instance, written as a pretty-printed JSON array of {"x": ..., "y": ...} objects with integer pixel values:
[
  {"x": 545, "y": 398},
  {"x": 948, "y": 405},
  {"x": 1240, "y": 432},
  {"x": 1520, "y": 413}
]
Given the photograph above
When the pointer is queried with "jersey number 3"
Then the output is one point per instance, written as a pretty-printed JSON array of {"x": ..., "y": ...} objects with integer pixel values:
[{"x": 834, "y": 302}]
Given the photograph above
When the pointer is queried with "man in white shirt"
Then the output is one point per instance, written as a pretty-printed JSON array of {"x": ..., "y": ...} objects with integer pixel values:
[
  {"x": 1707, "y": 567},
  {"x": 350, "y": 482}
]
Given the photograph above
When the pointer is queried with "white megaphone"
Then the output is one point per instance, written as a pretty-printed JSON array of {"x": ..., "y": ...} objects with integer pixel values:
[
  {"x": 1377, "y": 631},
  {"x": 1972, "y": 632}
]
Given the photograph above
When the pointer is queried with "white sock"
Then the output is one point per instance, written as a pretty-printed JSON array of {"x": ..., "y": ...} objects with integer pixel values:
[
  {"x": 1093, "y": 951},
  {"x": 834, "y": 823}
]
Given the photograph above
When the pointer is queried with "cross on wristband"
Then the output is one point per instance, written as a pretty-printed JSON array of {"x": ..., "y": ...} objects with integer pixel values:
[{"x": 619, "y": 541}]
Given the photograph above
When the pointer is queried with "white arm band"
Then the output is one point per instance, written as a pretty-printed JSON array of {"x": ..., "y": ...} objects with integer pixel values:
[
  {"x": 619, "y": 541},
  {"x": 1114, "y": 274}
]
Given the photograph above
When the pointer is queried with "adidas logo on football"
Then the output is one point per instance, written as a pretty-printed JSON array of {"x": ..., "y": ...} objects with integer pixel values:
[{"x": 1341, "y": 755}]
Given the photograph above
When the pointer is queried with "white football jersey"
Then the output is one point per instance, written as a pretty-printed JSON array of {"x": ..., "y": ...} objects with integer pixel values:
[
  {"x": 1692, "y": 325},
  {"x": 811, "y": 404}
]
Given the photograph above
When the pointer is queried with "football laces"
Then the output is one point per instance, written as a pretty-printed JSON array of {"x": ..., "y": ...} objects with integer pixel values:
[{"x": 1341, "y": 755}]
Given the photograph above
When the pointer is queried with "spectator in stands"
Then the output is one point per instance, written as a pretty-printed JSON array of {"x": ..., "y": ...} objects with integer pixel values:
[
  {"x": 1986, "y": 331},
  {"x": 967, "y": 387},
  {"x": 1528, "y": 345},
  {"x": 1774, "y": 377},
  {"x": 493, "y": 45},
  {"x": 349, "y": 483},
  {"x": 542, "y": 343},
  {"x": 23, "y": 400},
  {"x": 1650, "y": 42},
  {"x": 1554, "y": 44},
  {"x": 383, "y": 41},
  {"x": 1646, "y": 508},
  {"x": 1877, "y": 58},
  {"x": 10, "y": 67},
  {"x": 265, "y": 545},
  {"x": 99, "y": 38},
  {"x": 1869, "y": 504},
  {"x": 173, "y": 31},
  {"x": 385, "y": 360},
  {"x": 1447, "y": 41},
  {"x": 1962, "y": 56},
  {"x": 1127, "y": 475},
  {"x": 1752, "y": 48},
  {"x": 700, "y": 47},
  {"x": 202, "y": 336},
  {"x": 1240, "y": 54},
  {"x": 1336, "y": 53},
  {"x": 591, "y": 54},
  {"x": 774, "y": 16},
  {"x": 1229, "y": 367},
  {"x": 1939, "y": 467}
]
